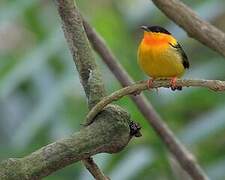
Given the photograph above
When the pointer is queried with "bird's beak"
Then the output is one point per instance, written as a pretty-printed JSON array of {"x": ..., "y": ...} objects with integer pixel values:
[{"x": 145, "y": 28}]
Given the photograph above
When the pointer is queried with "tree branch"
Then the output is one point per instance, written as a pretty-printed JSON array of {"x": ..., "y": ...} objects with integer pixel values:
[
  {"x": 84, "y": 61},
  {"x": 197, "y": 28},
  {"x": 185, "y": 158},
  {"x": 83, "y": 57},
  {"x": 214, "y": 85},
  {"x": 112, "y": 129},
  {"x": 81, "y": 50},
  {"x": 94, "y": 169},
  {"x": 111, "y": 136}
]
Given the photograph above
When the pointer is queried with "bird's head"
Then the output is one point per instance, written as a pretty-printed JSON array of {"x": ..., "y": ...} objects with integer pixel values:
[
  {"x": 155, "y": 29},
  {"x": 156, "y": 35}
]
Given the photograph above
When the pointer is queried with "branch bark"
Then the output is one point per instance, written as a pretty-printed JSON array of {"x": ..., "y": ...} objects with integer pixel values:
[
  {"x": 182, "y": 155},
  {"x": 81, "y": 50},
  {"x": 110, "y": 136},
  {"x": 83, "y": 57},
  {"x": 197, "y": 28}
]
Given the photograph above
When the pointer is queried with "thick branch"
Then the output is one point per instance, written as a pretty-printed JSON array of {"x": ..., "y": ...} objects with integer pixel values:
[
  {"x": 185, "y": 158},
  {"x": 85, "y": 63},
  {"x": 197, "y": 28},
  {"x": 110, "y": 136},
  {"x": 81, "y": 51},
  {"x": 215, "y": 85},
  {"x": 90, "y": 76}
]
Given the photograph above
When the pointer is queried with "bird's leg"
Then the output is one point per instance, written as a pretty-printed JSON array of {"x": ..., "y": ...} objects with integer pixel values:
[
  {"x": 150, "y": 83},
  {"x": 173, "y": 84}
]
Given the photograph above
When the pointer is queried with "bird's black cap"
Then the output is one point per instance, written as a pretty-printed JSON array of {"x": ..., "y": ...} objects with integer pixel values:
[{"x": 155, "y": 29}]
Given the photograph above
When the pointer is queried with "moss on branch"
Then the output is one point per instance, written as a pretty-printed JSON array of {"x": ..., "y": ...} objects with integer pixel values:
[{"x": 110, "y": 133}]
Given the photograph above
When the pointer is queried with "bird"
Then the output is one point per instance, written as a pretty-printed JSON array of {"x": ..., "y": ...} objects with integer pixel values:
[{"x": 161, "y": 56}]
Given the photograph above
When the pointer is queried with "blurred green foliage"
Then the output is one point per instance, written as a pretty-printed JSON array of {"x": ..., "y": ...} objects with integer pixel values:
[{"x": 41, "y": 98}]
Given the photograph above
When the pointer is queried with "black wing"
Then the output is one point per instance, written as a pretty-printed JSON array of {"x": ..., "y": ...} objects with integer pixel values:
[{"x": 185, "y": 61}]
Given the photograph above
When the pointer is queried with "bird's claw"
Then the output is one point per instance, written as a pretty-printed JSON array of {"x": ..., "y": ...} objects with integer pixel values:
[
  {"x": 174, "y": 86},
  {"x": 150, "y": 83},
  {"x": 179, "y": 88}
]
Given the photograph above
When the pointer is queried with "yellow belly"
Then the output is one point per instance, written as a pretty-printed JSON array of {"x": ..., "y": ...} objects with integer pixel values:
[{"x": 159, "y": 62}]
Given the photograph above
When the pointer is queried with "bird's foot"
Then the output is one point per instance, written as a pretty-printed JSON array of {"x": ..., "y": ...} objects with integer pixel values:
[
  {"x": 173, "y": 84},
  {"x": 150, "y": 83}
]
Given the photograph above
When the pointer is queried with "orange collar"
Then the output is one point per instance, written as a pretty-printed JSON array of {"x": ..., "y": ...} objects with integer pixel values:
[{"x": 151, "y": 38}]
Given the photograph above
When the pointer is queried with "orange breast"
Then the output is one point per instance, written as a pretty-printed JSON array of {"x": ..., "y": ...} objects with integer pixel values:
[{"x": 158, "y": 39}]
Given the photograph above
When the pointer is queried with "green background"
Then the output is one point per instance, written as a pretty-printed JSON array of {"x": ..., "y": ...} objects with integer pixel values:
[{"x": 41, "y": 99}]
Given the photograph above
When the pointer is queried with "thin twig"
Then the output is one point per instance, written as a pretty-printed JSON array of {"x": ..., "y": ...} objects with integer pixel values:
[
  {"x": 214, "y": 85},
  {"x": 197, "y": 28},
  {"x": 94, "y": 169},
  {"x": 184, "y": 157}
]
